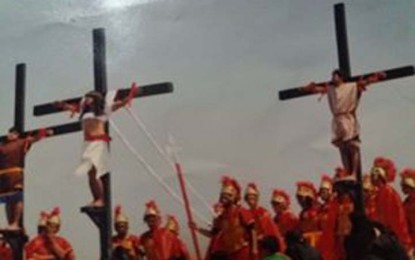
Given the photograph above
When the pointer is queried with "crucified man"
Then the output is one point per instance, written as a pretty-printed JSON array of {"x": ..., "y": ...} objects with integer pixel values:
[
  {"x": 12, "y": 155},
  {"x": 343, "y": 98},
  {"x": 94, "y": 110}
]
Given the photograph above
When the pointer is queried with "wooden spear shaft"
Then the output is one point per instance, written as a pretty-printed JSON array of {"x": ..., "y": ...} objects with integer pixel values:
[{"x": 179, "y": 172}]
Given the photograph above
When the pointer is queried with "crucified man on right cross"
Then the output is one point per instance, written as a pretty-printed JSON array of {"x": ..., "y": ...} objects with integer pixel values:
[{"x": 343, "y": 98}]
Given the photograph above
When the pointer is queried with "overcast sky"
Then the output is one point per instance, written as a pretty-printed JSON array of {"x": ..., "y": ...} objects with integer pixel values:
[{"x": 227, "y": 61}]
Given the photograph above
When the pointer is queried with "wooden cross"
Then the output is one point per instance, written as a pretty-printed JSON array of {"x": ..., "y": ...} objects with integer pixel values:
[
  {"x": 344, "y": 65},
  {"x": 16, "y": 238},
  {"x": 100, "y": 216}
]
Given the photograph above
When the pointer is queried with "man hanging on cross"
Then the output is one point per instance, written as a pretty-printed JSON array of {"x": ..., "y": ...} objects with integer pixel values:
[
  {"x": 343, "y": 98},
  {"x": 12, "y": 155},
  {"x": 94, "y": 110}
]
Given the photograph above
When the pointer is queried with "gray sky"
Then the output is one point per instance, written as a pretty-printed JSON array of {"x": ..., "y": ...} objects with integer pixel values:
[{"x": 227, "y": 60}]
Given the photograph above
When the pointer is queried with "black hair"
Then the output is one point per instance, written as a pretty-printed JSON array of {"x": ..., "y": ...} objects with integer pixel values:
[
  {"x": 98, "y": 103},
  {"x": 119, "y": 253},
  {"x": 14, "y": 129},
  {"x": 340, "y": 73},
  {"x": 270, "y": 244}
]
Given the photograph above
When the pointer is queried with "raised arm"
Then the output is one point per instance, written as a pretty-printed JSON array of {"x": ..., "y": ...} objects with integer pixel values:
[
  {"x": 314, "y": 88},
  {"x": 72, "y": 108},
  {"x": 362, "y": 83},
  {"x": 42, "y": 133},
  {"x": 61, "y": 252},
  {"x": 126, "y": 101}
]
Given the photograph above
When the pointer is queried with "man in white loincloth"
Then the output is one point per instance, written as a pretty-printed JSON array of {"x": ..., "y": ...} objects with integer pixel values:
[
  {"x": 94, "y": 112},
  {"x": 343, "y": 98}
]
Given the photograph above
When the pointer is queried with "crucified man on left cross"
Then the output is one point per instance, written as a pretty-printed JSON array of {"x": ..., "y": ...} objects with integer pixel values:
[{"x": 12, "y": 157}]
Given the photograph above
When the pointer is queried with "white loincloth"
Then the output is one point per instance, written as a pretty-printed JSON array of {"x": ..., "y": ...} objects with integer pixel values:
[
  {"x": 343, "y": 102},
  {"x": 95, "y": 154}
]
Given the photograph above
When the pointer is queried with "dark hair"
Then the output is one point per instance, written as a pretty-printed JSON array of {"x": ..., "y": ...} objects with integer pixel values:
[
  {"x": 270, "y": 244},
  {"x": 98, "y": 103},
  {"x": 14, "y": 129},
  {"x": 119, "y": 253},
  {"x": 294, "y": 236},
  {"x": 339, "y": 73}
]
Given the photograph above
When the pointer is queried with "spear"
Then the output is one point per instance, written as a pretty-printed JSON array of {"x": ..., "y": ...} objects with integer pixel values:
[{"x": 171, "y": 149}]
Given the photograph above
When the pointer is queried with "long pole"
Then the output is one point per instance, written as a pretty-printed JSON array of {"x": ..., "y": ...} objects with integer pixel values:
[
  {"x": 180, "y": 175},
  {"x": 100, "y": 80}
]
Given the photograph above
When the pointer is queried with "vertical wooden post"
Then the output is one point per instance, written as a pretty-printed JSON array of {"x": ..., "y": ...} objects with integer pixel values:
[
  {"x": 341, "y": 38},
  {"x": 344, "y": 65},
  {"x": 101, "y": 216},
  {"x": 17, "y": 238}
]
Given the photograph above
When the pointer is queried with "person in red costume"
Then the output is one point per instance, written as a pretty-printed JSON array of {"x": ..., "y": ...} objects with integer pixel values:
[
  {"x": 326, "y": 195},
  {"x": 408, "y": 188},
  {"x": 157, "y": 243},
  {"x": 5, "y": 250},
  {"x": 47, "y": 244},
  {"x": 232, "y": 231},
  {"x": 264, "y": 224},
  {"x": 389, "y": 207},
  {"x": 369, "y": 196},
  {"x": 123, "y": 241},
  {"x": 207, "y": 232},
  {"x": 338, "y": 224},
  {"x": 180, "y": 251},
  {"x": 285, "y": 219},
  {"x": 309, "y": 221}
]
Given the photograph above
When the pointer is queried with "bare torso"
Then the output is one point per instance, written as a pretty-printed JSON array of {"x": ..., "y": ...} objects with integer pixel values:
[{"x": 93, "y": 127}]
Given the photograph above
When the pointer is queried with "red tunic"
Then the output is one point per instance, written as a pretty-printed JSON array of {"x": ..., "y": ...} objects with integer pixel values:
[
  {"x": 264, "y": 227},
  {"x": 370, "y": 206},
  {"x": 158, "y": 244},
  {"x": 12, "y": 155},
  {"x": 5, "y": 251},
  {"x": 323, "y": 213},
  {"x": 231, "y": 234},
  {"x": 337, "y": 227},
  {"x": 180, "y": 250},
  {"x": 40, "y": 247},
  {"x": 286, "y": 221},
  {"x": 390, "y": 212},
  {"x": 409, "y": 206},
  {"x": 310, "y": 225},
  {"x": 129, "y": 243}
]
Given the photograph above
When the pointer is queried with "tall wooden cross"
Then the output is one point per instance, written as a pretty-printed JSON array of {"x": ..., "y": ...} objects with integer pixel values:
[
  {"x": 16, "y": 238},
  {"x": 100, "y": 216},
  {"x": 344, "y": 65}
]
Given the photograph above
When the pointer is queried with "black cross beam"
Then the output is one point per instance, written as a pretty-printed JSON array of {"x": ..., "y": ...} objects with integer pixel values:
[
  {"x": 344, "y": 65},
  {"x": 100, "y": 216},
  {"x": 344, "y": 60},
  {"x": 17, "y": 238}
]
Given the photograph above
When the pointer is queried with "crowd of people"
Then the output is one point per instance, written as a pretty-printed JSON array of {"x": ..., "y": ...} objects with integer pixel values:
[{"x": 329, "y": 225}]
